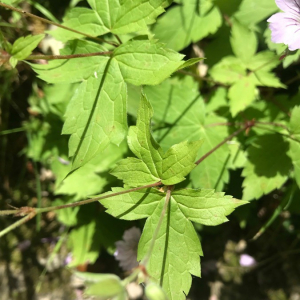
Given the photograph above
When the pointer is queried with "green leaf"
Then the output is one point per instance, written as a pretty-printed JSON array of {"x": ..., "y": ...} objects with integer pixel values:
[
  {"x": 66, "y": 216},
  {"x": 190, "y": 62},
  {"x": 184, "y": 24},
  {"x": 96, "y": 114},
  {"x": 243, "y": 41},
  {"x": 153, "y": 291},
  {"x": 136, "y": 15},
  {"x": 229, "y": 70},
  {"x": 73, "y": 70},
  {"x": 177, "y": 248},
  {"x": 146, "y": 61},
  {"x": 241, "y": 94},
  {"x": 189, "y": 122},
  {"x": 295, "y": 120},
  {"x": 253, "y": 11},
  {"x": 118, "y": 17},
  {"x": 134, "y": 172},
  {"x": 154, "y": 165},
  {"x": 179, "y": 161},
  {"x": 166, "y": 99},
  {"x": 105, "y": 286},
  {"x": 264, "y": 60},
  {"x": 265, "y": 78},
  {"x": 13, "y": 61},
  {"x": 83, "y": 20},
  {"x": 23, "y": 46},
  {"x": 141, "y": 141},
  {"x": 294, "y": 151},
  {"x": 93, "y": 176},
  {"x": 85, "y": 248},
  {"x": 268, "y": 166}
]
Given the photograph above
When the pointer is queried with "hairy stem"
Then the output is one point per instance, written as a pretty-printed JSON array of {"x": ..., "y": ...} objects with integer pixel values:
[
  {"x": 248, "y": 125},
  {"x": 154, "y": 237},
  {"x": 17, "y": 224},
  {"x": 30, "y": 212},
  {"x": 70, "y": 56},
  {"x": 27, "y": 14},
  {"x": 27, "y": 210},
  {"x": 272, "y": 124},
  {"x": 79, "y": 203}
]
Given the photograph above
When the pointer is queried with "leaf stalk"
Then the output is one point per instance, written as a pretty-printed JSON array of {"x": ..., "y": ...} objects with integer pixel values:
[
  {"x": 70, "y": 56},
  {"x": 27, "y": 14}
]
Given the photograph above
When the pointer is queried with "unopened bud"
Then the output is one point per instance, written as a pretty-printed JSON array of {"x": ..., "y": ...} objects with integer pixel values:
[{"x": 154, "y": 292}]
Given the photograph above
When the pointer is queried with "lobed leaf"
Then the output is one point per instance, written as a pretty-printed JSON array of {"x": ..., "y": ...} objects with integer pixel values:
[
  {"x": 253, "y": 11},
  {"x": 96, "y": 115},
  {"x": 189, "y": 122},
  {"x": 177, "y": 248},
  {"x": 186, "y": 23},
  {"x": 243, "y": 41},
  {"x": 145, "y": 61},
  {"x": 116, "y": 16},
  {"x": 23, "y": 46},
  {"x": 154, "y": 165}
]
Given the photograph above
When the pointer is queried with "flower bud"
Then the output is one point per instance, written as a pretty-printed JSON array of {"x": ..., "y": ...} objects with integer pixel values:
[{"x": 154, "y": 292}]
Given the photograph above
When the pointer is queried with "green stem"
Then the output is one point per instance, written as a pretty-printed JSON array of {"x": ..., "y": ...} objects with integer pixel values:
[
  {"x": 27, "y": 210},
  {"x": 39, "y": 195},
  {"x": 10, "y": 212},
  {"x": 131, "y": 277},
  {"x": 17, "y": 224},
  {"x": 272, "y": 124},
  {"x": 12, "y": 130},
  {"x": 79, "y": 203},
  {"x": 154, "y": 237},
  {"x": 30, "y": 212},
  {"x": 70, "y": 56},
  {"x": 56, "y": 24}
]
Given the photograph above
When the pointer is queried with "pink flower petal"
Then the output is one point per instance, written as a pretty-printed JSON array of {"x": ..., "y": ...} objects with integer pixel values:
[
  {"x": 285, "y": 27},
  {"x": 289, "y": 6}
]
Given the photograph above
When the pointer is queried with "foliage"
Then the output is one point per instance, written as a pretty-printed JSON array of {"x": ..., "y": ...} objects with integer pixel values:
[{"x": 119, "y": 74}]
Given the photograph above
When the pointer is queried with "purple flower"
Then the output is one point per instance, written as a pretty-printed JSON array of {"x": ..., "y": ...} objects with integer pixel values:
[
  {"x": 285, "y": 26},
  {"x": 126, "y": 252}
]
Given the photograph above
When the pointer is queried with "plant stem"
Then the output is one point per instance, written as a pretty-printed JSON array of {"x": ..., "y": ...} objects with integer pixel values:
[
  {"x": 30, "y": 212},
  {"x": 10, "y": 212},
  {"x": 49, "y": 57},
  {"x": 248, "y": 125},
  {"x": 131, "y": 277},
  {"x": 9, "y": 131},
  {"x": 17, "y": 224},
  {"x": 56, "y": 24},
  {"x": 79, "y": 203},
  {"x": 38, "y": 194},
  {"x": 27, "y": 210},
  {"x": 118, "y": 38},
  {"x": 273, "y": 124},
  {"x": 154, "y": 237}
]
